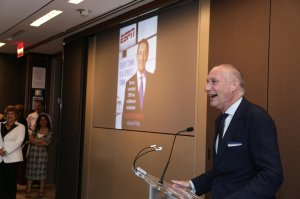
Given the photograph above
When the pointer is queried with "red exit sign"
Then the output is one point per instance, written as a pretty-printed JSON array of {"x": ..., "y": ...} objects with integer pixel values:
[{"x": 20, "y": 49}]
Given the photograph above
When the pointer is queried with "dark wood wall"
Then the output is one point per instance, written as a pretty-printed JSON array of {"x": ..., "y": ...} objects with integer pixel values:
[
  {"x": 71, "y": 120},
  {"x": 261, "y": 37},
  {"x": 12, "y": 80}
]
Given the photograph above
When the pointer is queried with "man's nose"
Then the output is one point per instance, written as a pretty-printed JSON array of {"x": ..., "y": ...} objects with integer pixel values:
[{"x": 207, "y": 87}]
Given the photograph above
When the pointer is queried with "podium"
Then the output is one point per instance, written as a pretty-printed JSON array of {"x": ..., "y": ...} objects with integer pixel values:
[{"x": 165, "y": 191}]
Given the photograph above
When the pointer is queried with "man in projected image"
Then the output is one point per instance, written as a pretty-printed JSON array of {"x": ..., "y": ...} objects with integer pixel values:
[
  {"x": 246, "y": 160},
  {"x": 136, "y": 88}
]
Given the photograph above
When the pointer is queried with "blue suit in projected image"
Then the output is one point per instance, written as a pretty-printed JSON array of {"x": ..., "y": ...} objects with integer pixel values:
[{"x": 136, "y": 91}]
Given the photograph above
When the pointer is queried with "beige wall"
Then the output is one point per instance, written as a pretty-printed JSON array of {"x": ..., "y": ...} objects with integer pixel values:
[
  {"x": 261, "y": 37},
  {"x": 284, "y": 96}
]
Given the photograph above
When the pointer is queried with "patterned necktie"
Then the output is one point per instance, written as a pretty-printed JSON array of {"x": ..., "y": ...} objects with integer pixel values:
[
  {"x": 221, "y": 127},
  {"x": 141, "y": 92}
]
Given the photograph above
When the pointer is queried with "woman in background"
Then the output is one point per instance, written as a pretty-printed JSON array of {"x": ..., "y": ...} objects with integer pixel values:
[
  {"x": 11, "y": 138},
  {"x": 37, "y": 158}
]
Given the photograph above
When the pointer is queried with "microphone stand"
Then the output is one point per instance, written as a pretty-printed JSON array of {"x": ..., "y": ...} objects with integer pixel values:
[{"x": 161, "y": 180}]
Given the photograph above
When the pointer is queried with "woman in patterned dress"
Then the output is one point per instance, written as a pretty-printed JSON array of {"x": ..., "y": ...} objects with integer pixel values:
[{"x": 38, "y": 153}]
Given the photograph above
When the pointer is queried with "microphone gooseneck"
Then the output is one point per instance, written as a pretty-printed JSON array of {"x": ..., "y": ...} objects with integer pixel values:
[
  {"x": 161, "y": 180},
  {"x": 142, "y": 152}
]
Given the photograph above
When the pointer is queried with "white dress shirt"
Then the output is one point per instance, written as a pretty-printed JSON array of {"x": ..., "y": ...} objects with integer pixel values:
[{"x": 230, "y": 111}]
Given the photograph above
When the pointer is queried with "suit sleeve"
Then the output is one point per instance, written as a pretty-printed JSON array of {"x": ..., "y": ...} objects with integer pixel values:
[
  {"x": 265, "y": 154},
  {"x": 203, "y": 183}
]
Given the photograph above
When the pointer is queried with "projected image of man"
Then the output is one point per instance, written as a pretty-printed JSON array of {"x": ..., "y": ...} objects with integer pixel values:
[{"x": 136, "y": 89}]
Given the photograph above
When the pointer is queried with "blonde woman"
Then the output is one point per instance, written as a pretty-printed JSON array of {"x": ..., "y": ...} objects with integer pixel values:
[{"x": 11, "y": 138}]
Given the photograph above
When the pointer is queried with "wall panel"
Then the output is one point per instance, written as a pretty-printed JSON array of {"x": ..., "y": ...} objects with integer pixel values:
[
  {"x": 284, "y": 97},
  {"x": 70, "y": 140}
]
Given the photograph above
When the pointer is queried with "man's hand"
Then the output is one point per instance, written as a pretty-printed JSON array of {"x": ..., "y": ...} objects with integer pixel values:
[{"x": 181, "y": 184}]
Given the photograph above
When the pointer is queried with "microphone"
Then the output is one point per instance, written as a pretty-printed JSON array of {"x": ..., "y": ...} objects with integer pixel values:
[
  {"x": 161, "y": 181},
  {"x": 189, "y": 129},
  {"x": 142, "y": 152}
]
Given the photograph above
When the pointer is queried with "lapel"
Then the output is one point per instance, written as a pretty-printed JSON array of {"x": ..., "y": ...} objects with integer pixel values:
[
  {"x": 9, "y": 133},
  {"x": 236, "y": 123}
]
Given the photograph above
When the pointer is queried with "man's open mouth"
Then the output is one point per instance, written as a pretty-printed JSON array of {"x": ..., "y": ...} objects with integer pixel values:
[{"x": 212, "y": 96}]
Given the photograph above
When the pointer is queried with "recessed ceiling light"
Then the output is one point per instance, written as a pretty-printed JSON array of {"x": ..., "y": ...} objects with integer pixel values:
[
  {"x": 2, "y": 44},
  {"x": 75, "y": 1},
  {"x": 46, "y": 18}
]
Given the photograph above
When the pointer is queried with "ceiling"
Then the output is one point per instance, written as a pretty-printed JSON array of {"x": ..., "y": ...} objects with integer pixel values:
[{"x": 16, "y": 17}]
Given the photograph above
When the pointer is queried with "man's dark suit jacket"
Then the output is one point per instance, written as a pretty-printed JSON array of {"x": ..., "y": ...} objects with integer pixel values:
[
  {"x": 247, "y": 165},
  {"x": 133, "y": 117}
]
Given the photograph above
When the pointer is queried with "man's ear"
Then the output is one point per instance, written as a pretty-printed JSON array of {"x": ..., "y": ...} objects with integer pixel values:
[{"x": 235, "y": 84}]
